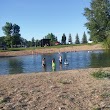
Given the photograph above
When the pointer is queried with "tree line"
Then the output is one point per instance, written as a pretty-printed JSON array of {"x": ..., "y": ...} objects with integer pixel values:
[{"x": 13, "y": 38}]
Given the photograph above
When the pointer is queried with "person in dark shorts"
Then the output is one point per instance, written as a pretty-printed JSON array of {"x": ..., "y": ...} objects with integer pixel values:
[
  {"x": 43, "y": 62},
  {"x": 60, "y": 59}
]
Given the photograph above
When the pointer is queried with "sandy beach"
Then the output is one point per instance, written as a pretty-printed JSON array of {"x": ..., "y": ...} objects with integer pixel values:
[{"x": 62, "y": 90}]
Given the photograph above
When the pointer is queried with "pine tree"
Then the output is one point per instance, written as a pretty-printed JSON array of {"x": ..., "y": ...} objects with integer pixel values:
[
  {"x": 70, "y": 39},
  {"x": 77, "y": 39},
  {"x": 33, "y": 42},
  {"x": 63, "y": 39},
  {"x": 84, "y": 38}
]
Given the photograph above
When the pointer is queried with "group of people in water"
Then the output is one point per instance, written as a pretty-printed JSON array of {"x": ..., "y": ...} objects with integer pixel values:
[{"x": 54, "y": 63}]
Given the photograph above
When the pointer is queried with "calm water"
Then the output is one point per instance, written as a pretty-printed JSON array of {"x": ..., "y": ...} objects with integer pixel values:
[{"x": 32, "y": 63}]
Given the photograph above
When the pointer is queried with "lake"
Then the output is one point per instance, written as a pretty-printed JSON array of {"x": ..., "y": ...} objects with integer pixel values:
[{"x": 33, "y": 63}]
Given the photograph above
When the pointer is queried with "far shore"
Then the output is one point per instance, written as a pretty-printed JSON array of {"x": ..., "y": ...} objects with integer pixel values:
[{"x": 53, "y": 50}]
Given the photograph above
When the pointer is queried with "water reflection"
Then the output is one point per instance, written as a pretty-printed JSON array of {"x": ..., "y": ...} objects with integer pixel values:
[
  {"x": 44, "y": 69},
  {"x": 33, "y": 63},
  {"x": 60, "y": 67},
  {"x": 15, "y": 66},
  {"x": 101, "y": 59},
  {"x": 64, "y": 56}
]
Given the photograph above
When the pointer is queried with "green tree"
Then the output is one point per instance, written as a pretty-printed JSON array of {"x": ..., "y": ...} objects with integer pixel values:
[
  {"x": 77, "y": 39},
  {"x": 98, "y": 16},
  {"x": 23, "y": 42},
  {"x": 70, "y": 39},
  {"x": 107, "y": 43},
  {"x": 37, "y": 42},
  {"x": 63, "y": 39},
  {"x": 56, "y": 38},
  {"x": 84, "y": 38},
  {"x": 52, "y": 38},
  {"x": 29, "y": 43},
  {"x": 12, "y": 36},
  {"x": 2, "y": 42},
  {"x": 16, "y": 39},
  {"x": 7, "y": 29},
  {"x": 33, "y": 42}
]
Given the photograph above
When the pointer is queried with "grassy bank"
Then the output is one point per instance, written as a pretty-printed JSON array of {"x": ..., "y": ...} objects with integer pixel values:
[{"x": 39, "y": 47}]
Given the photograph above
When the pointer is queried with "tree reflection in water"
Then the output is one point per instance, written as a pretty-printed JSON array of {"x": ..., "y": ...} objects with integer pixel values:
[{"x": 15, "y": 66}]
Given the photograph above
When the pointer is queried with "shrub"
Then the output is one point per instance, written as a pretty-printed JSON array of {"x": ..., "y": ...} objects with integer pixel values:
[
  {"x": 107, "y": 43},
  {"x": 101, "y": 74}
]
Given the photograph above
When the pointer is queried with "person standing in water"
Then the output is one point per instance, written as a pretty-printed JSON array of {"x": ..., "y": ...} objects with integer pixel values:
[
  {"x": 60, "y": 59},
  {"x": 43, "y": 62},
  {"x": 53, "y": 64},
  {"x": 66, "y": 62}
]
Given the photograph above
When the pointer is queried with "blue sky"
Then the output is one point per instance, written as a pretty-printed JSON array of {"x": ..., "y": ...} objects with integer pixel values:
[{"x": 37, "y": 18}]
